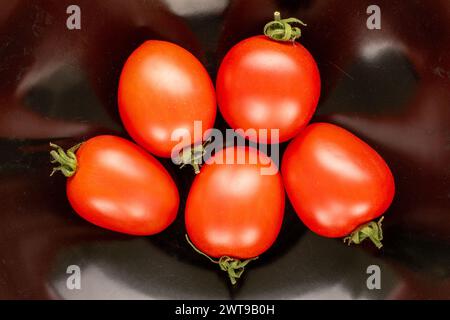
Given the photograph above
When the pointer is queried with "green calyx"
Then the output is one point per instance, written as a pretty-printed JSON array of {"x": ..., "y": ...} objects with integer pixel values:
[
  {"x": 193, "y": 156},
  {"x": 282, "y": 29},
  {"x": 234, "y": 267},
  {"x": 67, "y": 160},
  {"x": 371, "y": 230}
]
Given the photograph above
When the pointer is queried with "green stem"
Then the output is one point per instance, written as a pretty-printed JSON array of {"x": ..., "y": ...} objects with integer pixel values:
[
  {"x": 371, "y": 230},
  {"x": 67, "y": 159},
  {"x": 199, "y": 251},
  {"x": 282, "y": 29},
  {"x": 234, "y": 267},
  {"x": 193, "y": 156}
]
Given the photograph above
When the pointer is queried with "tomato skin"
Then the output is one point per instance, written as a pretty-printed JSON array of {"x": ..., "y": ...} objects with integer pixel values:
[
  {"x": 232, "y": 210},
  {"x": 335, "y": 181},
  {"x": 118, "y": 186},
  {"x": 163, "y": 87},
  {"x": 265, "y": 84}
]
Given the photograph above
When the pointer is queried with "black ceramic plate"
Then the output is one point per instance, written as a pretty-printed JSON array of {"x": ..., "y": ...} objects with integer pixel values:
[{"x": 391, "y": 87}]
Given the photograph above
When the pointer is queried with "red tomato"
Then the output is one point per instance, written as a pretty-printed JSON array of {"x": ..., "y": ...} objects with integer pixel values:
[
  {"x": 265, "y": 84},
  {"x": 162, "y": 88},
  {"x": 232, "y": 210},
  {"x": 335, "y": 181},
  {"x": 118, "y": 186}
]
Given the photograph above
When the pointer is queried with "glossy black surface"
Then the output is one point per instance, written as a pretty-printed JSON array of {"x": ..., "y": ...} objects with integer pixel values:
[{"x": 391, "y": 87}]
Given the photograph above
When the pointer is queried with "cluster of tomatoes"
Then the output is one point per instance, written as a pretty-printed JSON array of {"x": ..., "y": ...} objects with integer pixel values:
[{"x": 336, "y": 183}]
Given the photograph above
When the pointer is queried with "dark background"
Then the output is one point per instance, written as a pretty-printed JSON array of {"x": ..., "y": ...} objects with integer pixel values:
[{"x": 391, "y": 87}]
